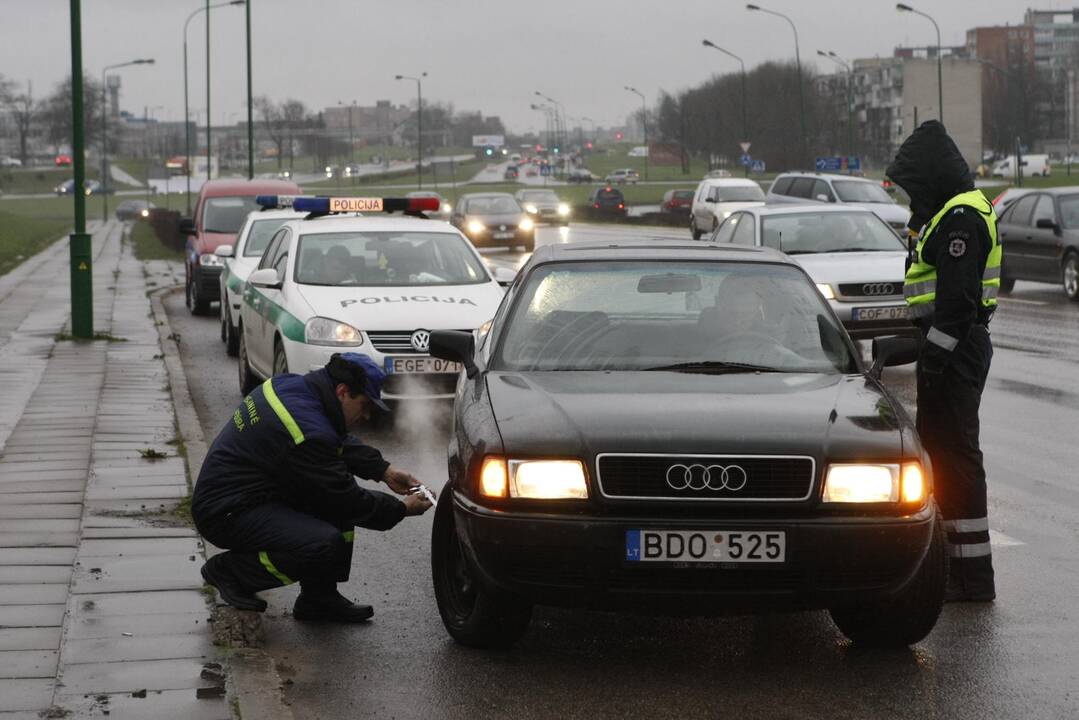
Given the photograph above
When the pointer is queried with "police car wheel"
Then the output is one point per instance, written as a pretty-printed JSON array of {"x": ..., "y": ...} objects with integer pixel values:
[
  {"x": 473, "y": 615},
  {"x": 280, "y": 360},
  {"x": 908, "y": 617},
  {"x": 248, "y": 381}
]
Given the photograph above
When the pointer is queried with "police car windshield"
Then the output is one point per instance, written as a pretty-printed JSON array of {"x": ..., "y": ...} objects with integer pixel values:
[
  {"x": 805, "y": 233},
  {"x": 854, "y": 191},
  {"x": 378, "y": 259},
  {"x": 226, "y": 214},
  {"x": 259, "y": 236},
  {"x": 687, "y": 316},
  {"x": 492, "y": 206}
]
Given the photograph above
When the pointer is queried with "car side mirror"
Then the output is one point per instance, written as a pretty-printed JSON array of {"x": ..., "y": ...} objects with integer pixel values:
[
  {"x": 456, "y": 346},
  {"x": 1046, "y": 224},
  {"x": 504, "y": 276},
  {"x": 187, "y": 227},
  {"x": 224, "y": 251},
  {"x": 892, "y": 350},
  {"x": 710, "y": 200},
  {"x": 265, "y": 278},
  {"x": 822, "y": 197}
]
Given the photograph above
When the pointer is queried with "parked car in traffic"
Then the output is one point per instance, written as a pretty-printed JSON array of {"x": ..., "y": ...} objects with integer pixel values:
[
  {"x": 676, "y": 202},
  {"x": 623, "y": 176},
  {"x": 133, "y": 209},
  {"x": 1039, "y": 233},
  {"x": 802, "y": 187},
  {"x": 855, "y": 259},
  {"x": 580, "y": 175},
  {"x": 543, "y": 205},
  {"x": 607, "y": 200},
  {"x": 1004, "y": 200},
  {"x": 494, "y": 219},
  {"x": 716, "y": 198}
]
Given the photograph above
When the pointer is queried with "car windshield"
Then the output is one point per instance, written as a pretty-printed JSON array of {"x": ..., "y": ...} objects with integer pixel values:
[
  {"x": 827, "y": 232},
  {"x": 741, "y": 193},
  {"x": 493, "y": 206},
  {"x": 400, "y": 259},
  {"x": 680, "y": 316},
  {"x": 226, "y": 214},
  {"x": 543, "y": 196},
  {"x": 608, "y": 195},
  {"x": 259, "y": 237},
  {"x": 1069, "y": 210},
  {"x": 867, "y": 192}
]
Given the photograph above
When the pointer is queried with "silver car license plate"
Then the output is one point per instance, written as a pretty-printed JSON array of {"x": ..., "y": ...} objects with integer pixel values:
[
  {"x": 421, "y": 366},
  {"x": 892, "y": 312},
  {"x": 727, "y": 546}
]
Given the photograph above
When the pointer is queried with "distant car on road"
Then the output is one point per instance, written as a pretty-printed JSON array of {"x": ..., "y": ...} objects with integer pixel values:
[
  {"x": 91, "y": 187},
  {"x": 802, "y": 187},
  {"x": 607, "y": 201},
  {"x": 10, "y": 162},
  {"x": 623, "y": 176},
  {"x": 856, "y": 260},
  {"x": 133, "y": 209},
  {"x": 494, "y": 219},
  {"x": 580, "y": 175},
  {"x": 511, "y": 173},
  {"x": 680, "y": 428},
  {"x": 63, "y": 161},
  {"x": 1030, "y": 165},
  {"x": 677, "y": 202},
  {"x": 543, "y": 205},
  {"x": 1040, "y": 236},
  {"x": 716, "y": 198}
]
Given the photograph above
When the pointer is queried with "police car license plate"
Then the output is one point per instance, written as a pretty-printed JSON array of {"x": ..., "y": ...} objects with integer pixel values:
[
  {"x": 729, "y": 546},
  {"x": 421, "y": 365},
  {"x": 894, "y": 312},
  {"x": 503, "y": 235}
]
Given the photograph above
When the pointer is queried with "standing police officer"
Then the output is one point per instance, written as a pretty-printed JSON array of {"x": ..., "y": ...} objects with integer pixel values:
[
  {"x": 951, "y": 286},
  {"x": 277, "y": 489}
]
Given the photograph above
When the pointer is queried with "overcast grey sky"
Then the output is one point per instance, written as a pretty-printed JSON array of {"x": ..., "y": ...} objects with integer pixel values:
[{"x": 488, "y": 55}]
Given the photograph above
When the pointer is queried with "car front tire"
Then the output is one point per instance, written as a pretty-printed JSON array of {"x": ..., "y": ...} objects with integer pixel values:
[
  {"x": 908, "y": 617},
  {"x": 473, "y": 615},
  {"x": 1070, "y": 275},
  {"x": 195, "y": 303}
]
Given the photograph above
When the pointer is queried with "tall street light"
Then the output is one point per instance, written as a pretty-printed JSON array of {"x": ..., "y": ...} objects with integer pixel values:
[
  {"x": 419, "y": 123},
  {"x": 80, "y": 257},
  {"x": 250, "y": 102},
  {"x": 745, "y": 127},
  {"x": 559, "y": 118},
  {"x": 644, "y": 124},
  {"x": 591, "y": 122},
  {"x": 187, "y": 127},
  {"x": 901, "y": 7},
  {"x": 105, "y": 132},
  {"x": 798, "y": 63},
  {"x": 850, "y": 95}
]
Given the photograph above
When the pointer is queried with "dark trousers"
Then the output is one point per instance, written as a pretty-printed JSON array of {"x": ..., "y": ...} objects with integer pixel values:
[
  {"x": 273, "y": 545},
  {"x": 948, "y": 405}
]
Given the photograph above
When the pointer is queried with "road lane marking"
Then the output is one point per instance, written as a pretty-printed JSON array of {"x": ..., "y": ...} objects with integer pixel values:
[
  {"x": 1019, "y": 300},
  {"x": 999, "y": 539}
]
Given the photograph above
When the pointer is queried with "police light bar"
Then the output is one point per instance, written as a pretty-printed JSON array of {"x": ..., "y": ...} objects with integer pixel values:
[{"x": 326, "y": 205}]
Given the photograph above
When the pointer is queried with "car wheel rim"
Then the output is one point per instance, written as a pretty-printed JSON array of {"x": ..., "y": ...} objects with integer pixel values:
[
  {"x": 280, "y": 362},
  {"x": 1071, "y": 277}
]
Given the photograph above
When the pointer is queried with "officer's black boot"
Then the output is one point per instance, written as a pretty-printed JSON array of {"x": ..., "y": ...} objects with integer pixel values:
[
  {"x": 216, "y": 573},
  {"x": 971, "y": 580},
  {"x": 320, "y": 601}
]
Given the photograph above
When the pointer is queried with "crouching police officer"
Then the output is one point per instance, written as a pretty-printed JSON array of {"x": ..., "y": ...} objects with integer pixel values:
[
  {"x": 951, "y": 287},
  {"x": 277, "y": 489}
]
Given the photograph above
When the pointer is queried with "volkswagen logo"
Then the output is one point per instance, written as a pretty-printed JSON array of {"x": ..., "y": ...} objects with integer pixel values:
[
  {"x": 878, "y": 289},
  {"x": 711, "y": 477},
  {"x": 421, "y": 341},
  {"x": 501, "y": 227}
]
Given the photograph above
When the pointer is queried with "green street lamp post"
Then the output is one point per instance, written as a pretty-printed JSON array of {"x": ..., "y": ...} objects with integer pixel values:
[
  {"x": 644, "y": 125},
  {"x": 745, "y": 126},
  {"x": 105, "y": 133},
  {"x": 798, "y": 64},
  {"x": 902, "y": 7},
  {"x": 79, "y": 249},
  {"x": 419, "y": 124}
]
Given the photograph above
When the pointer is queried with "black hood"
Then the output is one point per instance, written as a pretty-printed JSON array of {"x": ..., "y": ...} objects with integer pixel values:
[{"x": 931, "y": 170}]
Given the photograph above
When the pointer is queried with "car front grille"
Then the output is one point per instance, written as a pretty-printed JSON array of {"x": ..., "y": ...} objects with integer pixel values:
[
  {"x": 394, "y": 342},
  {"x": 873, "y": 290},
  {"x": 712, "y": 477}
]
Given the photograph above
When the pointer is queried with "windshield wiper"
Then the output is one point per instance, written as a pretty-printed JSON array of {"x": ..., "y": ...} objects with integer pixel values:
[{"x": 716, "y": 366}]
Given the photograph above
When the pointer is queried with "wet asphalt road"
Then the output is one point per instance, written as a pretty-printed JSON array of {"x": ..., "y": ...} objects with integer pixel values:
[{"x": 1016, "y": 658}]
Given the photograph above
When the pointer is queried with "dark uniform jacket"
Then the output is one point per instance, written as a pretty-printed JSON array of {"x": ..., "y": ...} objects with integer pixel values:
[
  {"x": 931, "y": 171},
  {"x": 287, "y": 443}
]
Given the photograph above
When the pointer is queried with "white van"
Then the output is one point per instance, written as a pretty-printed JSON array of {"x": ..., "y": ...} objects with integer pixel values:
[{"x": 1032, "y": 165}]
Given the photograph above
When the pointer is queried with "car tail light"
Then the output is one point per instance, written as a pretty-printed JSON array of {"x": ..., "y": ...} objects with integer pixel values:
[
  {"x": 621, "y": 206},
  {"x": 596, "y": 205}
]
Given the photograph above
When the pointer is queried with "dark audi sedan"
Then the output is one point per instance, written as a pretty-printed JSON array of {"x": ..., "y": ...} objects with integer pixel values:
[{"x": 680, "y": 430}]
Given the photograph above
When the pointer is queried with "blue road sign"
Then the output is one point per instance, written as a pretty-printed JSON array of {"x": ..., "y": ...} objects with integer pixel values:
[
  {"x": 746, "y": 159},
  {"x": 757, "y": 166},
  {"x": 838, "y": 164}
]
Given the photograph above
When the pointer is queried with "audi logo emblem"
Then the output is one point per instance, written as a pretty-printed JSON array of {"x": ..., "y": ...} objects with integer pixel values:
[
  {"x": 878, "y": 289},
  {"x": 421, "y": 340},
  {"x": 710, "y": 477}
]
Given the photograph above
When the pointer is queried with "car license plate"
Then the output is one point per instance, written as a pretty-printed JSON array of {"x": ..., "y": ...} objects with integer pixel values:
[
  {"x": 421, "y": 365},
  {"x": 502, "y": 235},
  {"x": 732, "y": 546},
  {"x": 894, "y": 312}
]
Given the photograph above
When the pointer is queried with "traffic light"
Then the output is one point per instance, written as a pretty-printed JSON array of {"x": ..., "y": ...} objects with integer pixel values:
[
  {"x": 488, "y": 152},
  {"x": 618, "y": 135},
  {"x": 538, "y": 147},
  {"x": 555, "y": 149},
  {"x": 588, "y": 145}
]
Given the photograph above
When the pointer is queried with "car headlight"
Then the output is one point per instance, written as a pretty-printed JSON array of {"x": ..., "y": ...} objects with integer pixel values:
[
  {"x": 324, "y": 331},
  {"x": 145, "y": 213},
  {"x": 475, "y": 226},
  {"x": 531, "y": 209},
  {"x": 210, "y": 259},
  {"x": 875, "y": 483},
  {"x": 826, "y": 291},
  {"x": 447, "y": 208},
  {"x": 527, "y": 224},
  {"x": 533, "y": 479},
  {"x": 563, "y": 209}
]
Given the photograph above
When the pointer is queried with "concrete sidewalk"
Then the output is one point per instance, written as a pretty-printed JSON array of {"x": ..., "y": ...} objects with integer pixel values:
[{"x": 101, "y": 605}]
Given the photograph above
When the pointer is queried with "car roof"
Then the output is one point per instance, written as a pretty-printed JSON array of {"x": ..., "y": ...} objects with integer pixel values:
[
  {"x": 823, "y": 176},
  {"x": 657, "y": 249},
  {"x": 370, "y": 223},
  {"x": 470, "y": 196},
  {"x": 807, "y": 207},
  {"x": 274, "y": 214},
  {"x": 231, "y": 187},
  {"x": 1063, "y": 190},
  {"x": 730, "y": 182}
]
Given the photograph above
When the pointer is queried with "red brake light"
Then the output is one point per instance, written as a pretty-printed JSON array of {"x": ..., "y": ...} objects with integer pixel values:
[
  {"x": 621, "y": 206},
  {"x": 596, "y": 205}
]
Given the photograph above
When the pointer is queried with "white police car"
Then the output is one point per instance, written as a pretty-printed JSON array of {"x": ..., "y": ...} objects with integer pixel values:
[
  {"x": 375, "y": 284},
  {"x": 239, "y": 261}
]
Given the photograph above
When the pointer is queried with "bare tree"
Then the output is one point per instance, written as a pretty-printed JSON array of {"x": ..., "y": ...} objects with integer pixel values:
[
  {"x": 294, "y": 116},
  {"x": 273, "y": 121},
  {"x": 25, "y": 110},
  {"x": 55, "y": 112}
]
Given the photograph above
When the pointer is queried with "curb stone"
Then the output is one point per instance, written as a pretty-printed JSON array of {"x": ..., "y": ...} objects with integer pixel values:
[{"x": 253, "y": 681}]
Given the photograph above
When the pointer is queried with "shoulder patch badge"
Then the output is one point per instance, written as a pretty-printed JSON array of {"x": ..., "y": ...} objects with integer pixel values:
[{"x": 957, "y": 248}]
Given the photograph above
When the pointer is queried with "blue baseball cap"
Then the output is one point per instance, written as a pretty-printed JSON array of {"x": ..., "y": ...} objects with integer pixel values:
[{"x": 359, "y": 372}]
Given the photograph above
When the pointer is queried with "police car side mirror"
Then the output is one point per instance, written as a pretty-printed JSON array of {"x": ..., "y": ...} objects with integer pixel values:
[
  {"x": 265, "y": 278},
  {"x": 893, "y": 350},
  {"x": 455, "y": 346}
]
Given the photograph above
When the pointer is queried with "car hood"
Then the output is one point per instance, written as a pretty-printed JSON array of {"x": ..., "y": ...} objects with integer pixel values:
[
  {"x": 888, "y": 212},
  {"x": 509, "y": 219},
  {"x": 582, "y": 414},
  {"x": 207, "y": 242},
  {"x": 854, "y": 267},
  {"x": 442, "y": 307}
]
